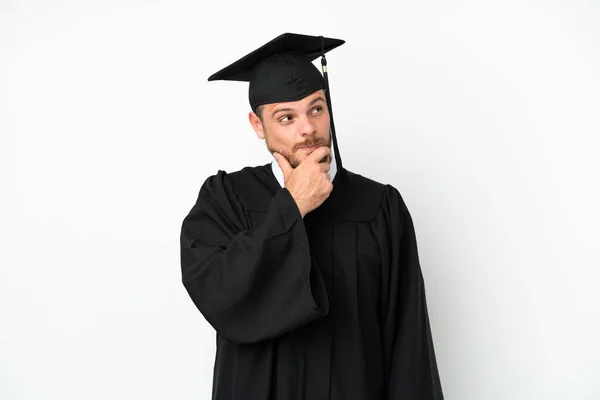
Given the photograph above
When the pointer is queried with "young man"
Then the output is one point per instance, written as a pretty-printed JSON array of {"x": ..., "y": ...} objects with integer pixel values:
[{"x": 309, "y": 273}]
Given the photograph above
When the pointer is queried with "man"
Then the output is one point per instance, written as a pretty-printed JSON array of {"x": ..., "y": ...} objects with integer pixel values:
[{"x": 308, "y": 272}]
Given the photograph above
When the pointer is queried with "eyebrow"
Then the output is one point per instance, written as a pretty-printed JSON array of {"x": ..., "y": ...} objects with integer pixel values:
[
  {"x": 280, "y": 110},
  {"x": 316, "y": 99}
]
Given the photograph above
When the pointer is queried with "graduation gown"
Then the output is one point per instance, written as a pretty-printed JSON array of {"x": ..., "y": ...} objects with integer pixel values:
[{"x": 331, "y": 306}]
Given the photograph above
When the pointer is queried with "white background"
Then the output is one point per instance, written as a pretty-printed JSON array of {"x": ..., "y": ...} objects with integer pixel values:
[{"x": 485, "y": 115}]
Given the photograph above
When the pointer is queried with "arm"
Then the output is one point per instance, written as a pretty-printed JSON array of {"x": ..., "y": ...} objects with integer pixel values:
[
  {"x": 250, "y": 284},
  {"x": 412, "y": 366}
]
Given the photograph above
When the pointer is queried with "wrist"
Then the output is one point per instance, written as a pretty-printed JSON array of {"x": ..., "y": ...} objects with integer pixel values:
[
  {"x": 301, "y": 207},
  {"x": 299, "y": 203}
]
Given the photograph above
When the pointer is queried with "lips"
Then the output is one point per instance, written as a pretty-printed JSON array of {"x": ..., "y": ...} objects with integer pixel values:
[{"x": 313, "y": 147}]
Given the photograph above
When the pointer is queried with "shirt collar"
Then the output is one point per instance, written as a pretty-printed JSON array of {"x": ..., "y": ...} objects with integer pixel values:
[{"x": 279, "y": 173}]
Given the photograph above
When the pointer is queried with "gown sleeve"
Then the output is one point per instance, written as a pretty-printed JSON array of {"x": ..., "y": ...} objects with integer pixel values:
[
  {"x": 409, "y": 351},
  {"x": 250, "y": 284}
]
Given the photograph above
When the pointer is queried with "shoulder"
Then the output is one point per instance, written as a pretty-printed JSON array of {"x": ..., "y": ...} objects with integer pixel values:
[
  {"x": 251, "y": 187},
  {"x": 216, "y": 187},
  {"x": 365, "y": 189},
  {"x": 219, "y": 198},
  {"x": 230, "y": 180},
  {"x": 248, "y": 177},
  {"x": 366, "y": 198},
  {"x": 361, "y": 197}
]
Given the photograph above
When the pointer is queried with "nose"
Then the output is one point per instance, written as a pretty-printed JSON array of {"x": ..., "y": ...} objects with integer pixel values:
[{"x": 307, "y": 127}]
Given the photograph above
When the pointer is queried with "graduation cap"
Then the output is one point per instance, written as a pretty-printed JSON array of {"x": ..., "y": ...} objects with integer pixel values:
[{"x": 282, "y": 71}]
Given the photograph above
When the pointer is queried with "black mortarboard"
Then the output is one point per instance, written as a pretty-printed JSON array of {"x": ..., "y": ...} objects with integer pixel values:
[{"x": 282, "y": 71}]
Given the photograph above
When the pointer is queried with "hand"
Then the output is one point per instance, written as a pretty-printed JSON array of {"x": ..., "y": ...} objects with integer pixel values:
[{"x": 308, "y": 183}]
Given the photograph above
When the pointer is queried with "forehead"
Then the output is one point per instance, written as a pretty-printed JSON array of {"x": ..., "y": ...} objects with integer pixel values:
[{"x": 299, "y": 103}]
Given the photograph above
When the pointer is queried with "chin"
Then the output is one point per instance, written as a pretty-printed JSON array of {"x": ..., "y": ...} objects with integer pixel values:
[{"x": 295, "y": 160}]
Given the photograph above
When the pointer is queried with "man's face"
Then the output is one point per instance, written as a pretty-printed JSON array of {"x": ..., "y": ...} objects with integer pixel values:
[{"x": 294, "y": 129}]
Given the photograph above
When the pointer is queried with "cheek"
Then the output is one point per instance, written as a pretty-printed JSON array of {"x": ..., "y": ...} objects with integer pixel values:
[
  {"x": 277, "y": 136},
  {"x": 324, "y": 123},
  {"x": 324, "y": 118}
]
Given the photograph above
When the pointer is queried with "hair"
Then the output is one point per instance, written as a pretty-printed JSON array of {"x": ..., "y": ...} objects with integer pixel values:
[{"x": 259, "y": 112}]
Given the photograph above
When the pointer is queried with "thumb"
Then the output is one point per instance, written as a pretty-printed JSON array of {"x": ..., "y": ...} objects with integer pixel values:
[{"x": 283, "y": 164}]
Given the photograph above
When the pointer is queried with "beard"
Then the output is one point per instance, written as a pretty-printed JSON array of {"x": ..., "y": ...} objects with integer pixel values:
[{"x": 290, "y": 154}]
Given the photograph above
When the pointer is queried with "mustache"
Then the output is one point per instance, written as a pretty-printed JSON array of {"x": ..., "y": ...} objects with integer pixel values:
[{"x": 310, "y": 143}]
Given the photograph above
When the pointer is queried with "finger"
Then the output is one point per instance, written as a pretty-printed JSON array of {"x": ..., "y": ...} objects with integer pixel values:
[
  {"x": 285, "y": 166},
  {"x": 325, "y": 167},
  {"x": 326, "y": 159},
  {"x": 319, "y": 154}
]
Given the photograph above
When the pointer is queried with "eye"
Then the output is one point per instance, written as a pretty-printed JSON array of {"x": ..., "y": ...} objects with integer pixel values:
[
  {"x": 317, "y": 110},
  {"x": 285, "y": 119}
]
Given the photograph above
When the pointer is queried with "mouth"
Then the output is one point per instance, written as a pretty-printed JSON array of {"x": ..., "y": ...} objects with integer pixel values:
[
  {"x": 312, "y": 148},
  {"x": 309, "y": 149}
]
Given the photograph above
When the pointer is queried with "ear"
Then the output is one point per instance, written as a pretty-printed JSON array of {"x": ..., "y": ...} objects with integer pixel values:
[{"x": 256, "y": 125}]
